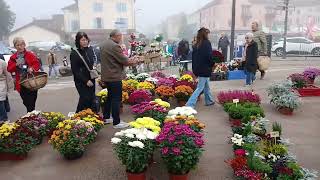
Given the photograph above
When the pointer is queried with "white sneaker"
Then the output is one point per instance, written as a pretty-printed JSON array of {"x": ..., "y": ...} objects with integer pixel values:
[
  {"x": 121, "y": 125},
  {"x": 108, "y": 121}
]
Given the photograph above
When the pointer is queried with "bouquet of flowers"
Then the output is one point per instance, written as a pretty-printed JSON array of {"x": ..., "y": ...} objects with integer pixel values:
[
  {"x": 53, "y": 119},
  {"x": 150, "y": 109},
  {"x": 139, "y": 96},
  {"x": 125, "y": 97},
  {"x": 165, "y": 92},
  {"x": 134, "y": 148},
  {"x": 182, "y": 111},
  {"x": 166, "y": 82},
  {"x": 71, "y": 138},
  {"x": 146, "y": 86},
  {"x": 91, "y": 117},
  {"x": 102, "y": 95},
  {"x": 191, "y": 121},
  {"x": 187, "y": 77},
  {"x": 183, "y": 93},
  {"x": 148, "y": 123},
  {"x": 181, "y": 148},
  {"x": 217, "y": 56},
  {"x": 129, "y": 85},
  {"x": 142, "y": 77},
  {"x": 158, "y": 74},
  {"x": 16, "y": 139},
  {"x": 299, "y": 80}
]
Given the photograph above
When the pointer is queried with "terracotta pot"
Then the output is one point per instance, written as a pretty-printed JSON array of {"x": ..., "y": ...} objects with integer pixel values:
[
  {"x": 286, "y": 111},
  {"x": 5, "y": 156},
  {"x": 73, "y": 156},
  {"x": 178, "y": 177},
  {"x": 141, "y": 176},
  {"x": 181, "y": 103}
]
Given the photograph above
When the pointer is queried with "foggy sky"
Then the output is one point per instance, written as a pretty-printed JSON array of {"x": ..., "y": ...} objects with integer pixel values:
[{"x": 152, "y": 11}]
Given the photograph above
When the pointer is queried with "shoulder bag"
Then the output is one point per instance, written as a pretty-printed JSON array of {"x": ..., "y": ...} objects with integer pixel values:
[{"x": 93, "y": 73}]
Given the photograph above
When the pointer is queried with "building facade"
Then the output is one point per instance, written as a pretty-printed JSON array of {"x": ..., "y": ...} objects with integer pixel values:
[{"x": 100, "y": 14}]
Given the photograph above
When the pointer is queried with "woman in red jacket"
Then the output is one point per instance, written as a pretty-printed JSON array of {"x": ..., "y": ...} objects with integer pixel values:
[{"x": 21, "y": 63}]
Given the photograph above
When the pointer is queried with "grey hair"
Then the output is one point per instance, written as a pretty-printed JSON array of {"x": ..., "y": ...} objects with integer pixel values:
[
  {"x": 114, "y": 32},
  {"x": 249, "y": 35},
  {"x": 16, "y": 40}
]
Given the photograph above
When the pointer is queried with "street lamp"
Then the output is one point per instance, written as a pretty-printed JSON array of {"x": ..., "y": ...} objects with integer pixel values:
[{"x": 233, "y": 24}]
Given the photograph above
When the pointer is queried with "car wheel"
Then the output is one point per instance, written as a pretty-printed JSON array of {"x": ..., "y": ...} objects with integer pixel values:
[
  {"x": 316, "y": 52},
  {"x": 279, "y": 52}
]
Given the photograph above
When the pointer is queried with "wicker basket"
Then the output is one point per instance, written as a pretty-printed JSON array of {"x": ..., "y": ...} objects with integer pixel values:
[
  {"x": 34, "y": 81},
  {"x": 264, "y": 63}
]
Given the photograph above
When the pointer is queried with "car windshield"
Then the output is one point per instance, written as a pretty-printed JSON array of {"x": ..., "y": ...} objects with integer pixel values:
[{"x": 4, "y": 49}]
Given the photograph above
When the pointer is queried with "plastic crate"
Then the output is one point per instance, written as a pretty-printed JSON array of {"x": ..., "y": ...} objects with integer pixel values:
[{"x": 236, "y": 75}]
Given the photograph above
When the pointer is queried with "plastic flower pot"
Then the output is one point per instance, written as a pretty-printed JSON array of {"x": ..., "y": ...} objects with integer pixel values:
[
  {"x": 178, "y": 177},
  {"x": 309, "y": 91},
  {"x": 139, "y": 176},
  {"x": 73, "y": 156},
  {"x": 6, "y": 156},
  {"x": 285, "y": 111}
]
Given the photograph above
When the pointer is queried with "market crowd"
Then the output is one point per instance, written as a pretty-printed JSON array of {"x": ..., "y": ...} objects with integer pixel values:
[{"x": 114, "y": 58}]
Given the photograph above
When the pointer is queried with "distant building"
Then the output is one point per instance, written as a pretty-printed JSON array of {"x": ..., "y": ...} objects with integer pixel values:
[{"x": 40, "y": 30}]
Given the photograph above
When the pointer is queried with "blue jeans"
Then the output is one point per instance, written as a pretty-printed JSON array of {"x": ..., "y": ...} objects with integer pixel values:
[
  {"x": 113, "y": 103},
  {"x": 203, "y": 86},
  {"x": 54, "y": 68},
  {"x": 250, "y": 77},
  {"x": 3, "y": 111}
]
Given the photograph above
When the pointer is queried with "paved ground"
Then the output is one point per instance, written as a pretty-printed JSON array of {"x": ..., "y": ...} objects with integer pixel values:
[{"x": 99, "y": 163}]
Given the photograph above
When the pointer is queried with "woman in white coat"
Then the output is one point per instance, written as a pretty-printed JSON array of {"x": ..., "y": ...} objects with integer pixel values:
[{"x": 6, "y": 84}]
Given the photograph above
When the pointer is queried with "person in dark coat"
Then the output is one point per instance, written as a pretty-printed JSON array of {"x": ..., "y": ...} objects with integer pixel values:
[
  {"x": 251, "y": 59},
  {"x": 83, "y": 82},
  {"x": 223, "y": 46},
  {"x": 202, "y": 63},
  {"x": 183, "y": 49}
]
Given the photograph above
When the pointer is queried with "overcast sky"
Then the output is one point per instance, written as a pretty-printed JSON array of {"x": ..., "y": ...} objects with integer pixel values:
[{"x": 152, "y": 11}]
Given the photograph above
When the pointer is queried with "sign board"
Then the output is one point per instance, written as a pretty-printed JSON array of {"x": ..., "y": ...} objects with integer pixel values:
[
  {"x": 275, "y": 134},
  {"x": 236, "y": 101}
]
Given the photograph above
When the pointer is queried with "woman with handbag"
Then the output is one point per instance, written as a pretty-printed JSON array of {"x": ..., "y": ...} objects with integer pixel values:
[
  {"x": 22, "y": 63},
  {"x": 82, "y": 61}
]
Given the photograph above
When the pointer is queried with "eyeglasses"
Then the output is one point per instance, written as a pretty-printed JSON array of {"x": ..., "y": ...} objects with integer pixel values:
[{"x": 246, "y": 37}]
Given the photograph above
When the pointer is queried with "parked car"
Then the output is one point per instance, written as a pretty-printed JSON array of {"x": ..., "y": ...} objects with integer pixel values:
[
  {"x": 297, "y": 45},
  {"x": 48, "y": 45},
  {"x": 5, "y": 52}
]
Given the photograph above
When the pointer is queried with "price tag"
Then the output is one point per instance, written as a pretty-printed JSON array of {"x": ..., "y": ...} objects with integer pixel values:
[
  {"x": 236, "y": 101},
  {"x": 71, "y": 114},
  {"x": 275, "y": 134}
]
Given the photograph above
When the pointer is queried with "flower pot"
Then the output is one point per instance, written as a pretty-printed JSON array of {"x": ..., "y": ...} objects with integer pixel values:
[
  {"x": 309, "y": 91},
  {"x": 6, "y": 156},
  {"x": 181, "y": 103},
  {"x": 178, "y": 177},
  {"x": 140, "y": 176},
  {"x": 286, "y": 111},
  {"x": 231, "y": 119},
  {"x": 73, "y": 156}
]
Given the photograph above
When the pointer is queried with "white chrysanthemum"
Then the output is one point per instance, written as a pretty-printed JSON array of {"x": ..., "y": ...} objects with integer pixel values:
[
  {"x": 138, "y": 144},
  {"x": 129, "y": 135},
  {"x": 141, "y": 136},
  {"x": 115, "y": 140},
  {"x": 119, "y": 134}
]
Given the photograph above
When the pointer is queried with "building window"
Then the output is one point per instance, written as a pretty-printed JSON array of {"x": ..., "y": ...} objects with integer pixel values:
[
  {"x": 98, "y": 24},
  {"x": 121, "y": 23},
  {"x": 121, "y": 7},
  {"x": 97, "y": 7},
  {"x": 74, "y": 25}
]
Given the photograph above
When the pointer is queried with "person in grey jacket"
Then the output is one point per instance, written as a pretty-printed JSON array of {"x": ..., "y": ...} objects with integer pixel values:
[
  {"x": 6, "y": 84},
  {"x": 223, "y": 46},
  {"x": 260, "y": 38}
]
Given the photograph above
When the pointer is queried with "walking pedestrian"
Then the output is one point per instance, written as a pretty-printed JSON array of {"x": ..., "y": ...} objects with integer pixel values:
[
  {"x": 261, "y": 40},
  {"x": 52, "y": 62},
  {"x": 223, "y": 46},
  {"x": 202, "y": 63},
  {"x": 183, "y": 49},
  {"x": 21, "y": 63},
  {"x": 82, "y": 60},
  {"x": 251, "y": 59},
  {"x": 6, "y": 84},
  {"x": 112, "y": 62}
]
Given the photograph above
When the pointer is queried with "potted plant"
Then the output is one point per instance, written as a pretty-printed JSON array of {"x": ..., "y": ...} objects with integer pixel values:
[
  {"x": 53, "y": 119},
  {"x": 139, "y": 96},
  {"x": 286, "y": 103},
  {"x": 71, "y": 138},
  {"x": 183, "y": 93},
  {"x": 166, "y": 82},
  {"x": 15, "y": 141},
  {"x": 150, "y": 109},
  {"x": 134, "y": 148},
  {"x": 242, "y": 96},
  {"x": 89, "y": 116},
  {"x": 181, "y": 149},
  {"x": 311, "y": 74},
  {"x": 187, "y": 77},
  {"x": 182, "y": 111},
  {"x": 147, "y": 123},
  {"x": 142, "y": 77},
  {"x": 191, "y": 121},
  {"x": 299, "y": 80},
  {"x": 165, "y": 92},
  {"x": 146, "y": 86},
  {"x": 129, "y": 85}
]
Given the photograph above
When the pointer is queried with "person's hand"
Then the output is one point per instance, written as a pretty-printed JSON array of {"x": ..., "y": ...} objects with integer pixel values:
[
  {"x": 89, "y": 83},
  {"x": 30, "y": 70}
]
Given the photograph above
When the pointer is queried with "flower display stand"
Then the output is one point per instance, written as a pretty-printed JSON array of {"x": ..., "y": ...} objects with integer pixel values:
[
  {"x": 178, "y": 177},
  {"x": 309, "y": 91},
  {"x": 141, "y": 176}
]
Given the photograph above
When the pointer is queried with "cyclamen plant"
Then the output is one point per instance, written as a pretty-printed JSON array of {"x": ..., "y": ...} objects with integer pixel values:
[{"x": 181, "y": 147}]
